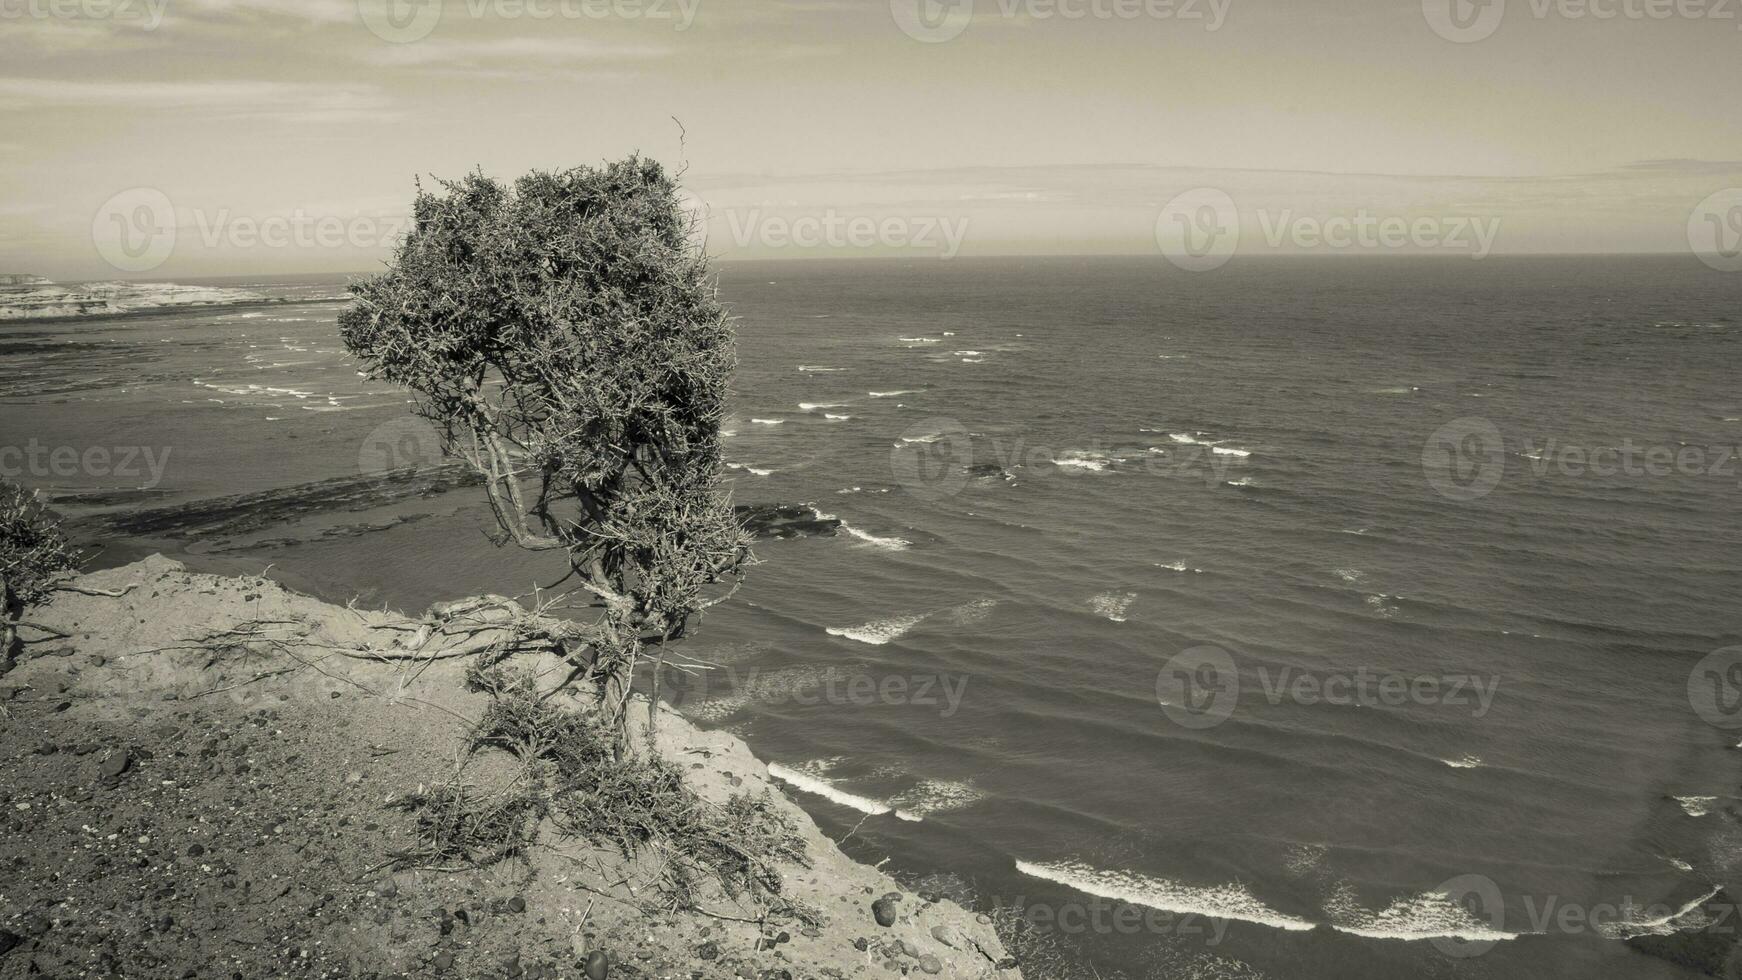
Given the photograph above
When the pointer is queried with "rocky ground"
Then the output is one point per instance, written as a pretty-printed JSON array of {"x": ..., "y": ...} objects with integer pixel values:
[{"x": 220, "y": 808}]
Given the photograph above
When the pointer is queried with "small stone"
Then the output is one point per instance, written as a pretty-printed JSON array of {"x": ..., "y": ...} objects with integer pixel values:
[
  {"x": 117, "y": 763},
  {"x": 353, "y": 777},
  {"x": 9, "y": 941},
  {"x": 598, "y": 965},
  {"x": 943, "y": 935},
  {"x": 708, "y": 951},
  {"x": 513, "y": 968},
  {"x": 930, "y": 964},
  {"x": 517, "y": 904},
  {"x": 884, "y": 912},
  {"x": 444, "y": 960}
]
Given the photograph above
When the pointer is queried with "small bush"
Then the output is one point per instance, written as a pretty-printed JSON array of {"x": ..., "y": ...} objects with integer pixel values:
[{"x": 34, "y": 554}]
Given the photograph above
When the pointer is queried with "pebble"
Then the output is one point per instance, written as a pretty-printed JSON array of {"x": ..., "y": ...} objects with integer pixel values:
[
  {"x": 884, "y": 911},
  {"x": 598, "y": 965}
]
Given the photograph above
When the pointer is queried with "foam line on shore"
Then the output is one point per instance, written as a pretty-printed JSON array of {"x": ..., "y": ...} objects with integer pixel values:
[{"x": 819, "y": 787}]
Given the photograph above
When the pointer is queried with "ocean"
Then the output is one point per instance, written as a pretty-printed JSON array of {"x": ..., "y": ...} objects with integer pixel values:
[{"x": 1310, "y": 618}]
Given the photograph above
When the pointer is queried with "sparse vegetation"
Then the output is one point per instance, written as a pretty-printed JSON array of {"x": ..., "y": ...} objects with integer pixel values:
[{"x": 34, "y": 555}]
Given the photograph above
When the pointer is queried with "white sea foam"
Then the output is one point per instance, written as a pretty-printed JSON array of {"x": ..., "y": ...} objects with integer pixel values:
[
  {"x": 1084, "y": 461},
  {"x": 836, "y": 418},
  {"x": 1180, "y": 566},
  {"x": 921, "y": 340},
  {"x": 1217, "y": 901},
  {"x": 1226, "y": 451},
  {"x": 1465, "y": 761},
  {"x": 769, "y": 421},
  {"x": 1696, "y": 806},
  {"x": 1688, "y": 917},
  {"x": 938, "y": 796},
  {"x": 1113, "y": 605},
  {"x": 1350, "y": 574},
  {"x": 813, "y": 406},
  {"x": 819, "y": 369},
  {"x": 1244, "y": 481},
  {"x": 887, "y": 544},
  {"x": 890, "y": 394},
  {"x": 880, "y": 632},
  {"x": 1431, "y": 915},
  {"x": 811, "y": 784}
]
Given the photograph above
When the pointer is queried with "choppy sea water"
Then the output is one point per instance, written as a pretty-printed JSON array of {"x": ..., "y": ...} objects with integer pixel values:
[{"x": 1208, "y": 596}]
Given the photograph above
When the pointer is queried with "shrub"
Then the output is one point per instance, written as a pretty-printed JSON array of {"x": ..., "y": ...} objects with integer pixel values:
[
  {"x": 566, "y": 336},
  {"x": 34, "y": 554}
]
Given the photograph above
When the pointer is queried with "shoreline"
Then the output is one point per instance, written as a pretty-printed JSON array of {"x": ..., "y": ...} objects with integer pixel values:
[{"x": 125, "y": 674}]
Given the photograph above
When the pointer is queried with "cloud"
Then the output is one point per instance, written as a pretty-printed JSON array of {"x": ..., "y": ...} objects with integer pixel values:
[
  {"x": 309, "y": 101},
  {"x": 514, "y": 50}
]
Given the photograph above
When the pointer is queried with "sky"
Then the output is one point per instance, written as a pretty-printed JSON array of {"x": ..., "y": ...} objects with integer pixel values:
[{"x": 183, "y": 138}]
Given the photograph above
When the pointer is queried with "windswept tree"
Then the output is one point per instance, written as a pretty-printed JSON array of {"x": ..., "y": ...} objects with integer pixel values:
[{"x": 566, "y": 336}]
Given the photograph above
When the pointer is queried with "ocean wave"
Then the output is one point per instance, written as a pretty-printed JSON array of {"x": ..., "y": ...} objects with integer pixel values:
[
  {"x": 887, "y": 544},
  {"x": 1179, "y": 566},
  {"x": 891, "y": 394},
  {"x": 1093, "y": 462},
  {"x": 1687, "y": 918},
  {"x": 880, "y": 632},
  {"x": 813, "y": 406},
  {"x": 822, "y": 788},
  {"x": 1216, "y": 901},
  {"x": 768, "y": 421},
  {"x": 1465, "y": 761},
  {"x": 836, "y": 418},
  {"x": 921, "y": 340},
  {"x": 1696, "y": 806},
  {"x": 1430, "y": 915},
  {"x": 819, "y": 369},
  {"x": 1350, "y": 574},
  {"x": 1113, "y": 605},
  {"x": 938, "y": 796},
  {"x": 1227, "y": 451}
]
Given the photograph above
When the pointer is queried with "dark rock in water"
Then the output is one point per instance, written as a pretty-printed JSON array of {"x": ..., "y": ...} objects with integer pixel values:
[
  {"x": 1703, "y": 950},
  {"x": 780, "y": 522},
  {"x": 598, "y": 965},
  {"x": 884, "y": 910},
  {"x": 986, "y": 471}
]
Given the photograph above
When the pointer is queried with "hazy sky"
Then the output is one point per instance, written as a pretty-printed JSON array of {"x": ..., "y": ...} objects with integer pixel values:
[{"x": 1566, "y": 126}]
